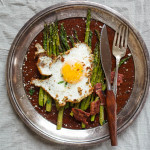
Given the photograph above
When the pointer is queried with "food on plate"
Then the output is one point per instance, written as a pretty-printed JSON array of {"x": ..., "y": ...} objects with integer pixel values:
[
  {"x": 80, "y": 115},
  {"x": 74, "y": 67},
  {"x": 63, "y": 76}
]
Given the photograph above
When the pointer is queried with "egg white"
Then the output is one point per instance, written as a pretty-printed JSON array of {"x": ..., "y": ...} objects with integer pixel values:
[{"x": 55, "y": 85}]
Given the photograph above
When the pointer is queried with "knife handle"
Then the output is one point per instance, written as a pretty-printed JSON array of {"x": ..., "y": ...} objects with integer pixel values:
[{"x": 112, "y": 116}]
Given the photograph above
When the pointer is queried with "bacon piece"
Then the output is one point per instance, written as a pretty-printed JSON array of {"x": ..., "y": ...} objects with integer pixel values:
[
  {"x": 62, "y": 59},
  {"x": 119, "y": 80},
  {"x": 94, "y": 107},
  {"x": 97, "y": 86},
  {"x": 80, "y": 115},
  {"x": 99, "y": 92}
]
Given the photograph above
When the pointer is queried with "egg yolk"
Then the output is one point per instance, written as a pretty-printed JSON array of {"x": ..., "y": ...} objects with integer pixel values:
[{"x": 72, "y": 73}]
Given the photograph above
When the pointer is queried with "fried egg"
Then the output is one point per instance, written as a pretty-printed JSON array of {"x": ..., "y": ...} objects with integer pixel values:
[{"x": 68, "y": 74}]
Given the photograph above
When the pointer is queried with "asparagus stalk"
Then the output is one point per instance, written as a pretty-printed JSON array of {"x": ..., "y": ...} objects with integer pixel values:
[
  {"x": 45, "y": 97},
  {"x": 98, "y": 35},
  {"x": 85, "y": 107},
  {"x": 83, "y": 103},
  {"x": 90, "y": 39},
  {"x": 95, "y": 69},
  {"x": 98, "y": 70},
  {"x": 54, "y": 40},
  {"x": 87, "y": 104},
  {"x": 83, "y": 125},
  {"x": 45, "y": 37},
  {"x": 46, "y": 44},
  {"x": 60, "y": 109},
  {"x": 101, "y": 118},
  {"x": 63, "y": 37},
  {"x": 124, "y": 60},
  {"x": 71, "y": 104},
  {"x": 60, "y": 118},
  {"x": 41, "y": 96},
  {"x": 101, "y": 115},
  {"x": 49, "y": 104},
  {"x": 87, "y": 26},
  {"x": 88, "y": 36},
  {"x": 47, "y": 41},
  {"x": 63, "y": 31},
  {"x": 57, "y": 105},
  {"x": 93, "y": 80},
  {"x": 76, "y": 36},
  {"x": 65, "y": 44},
  {"x": 71, "y": 40},
  {"x": 100, "y": 79},
  {"x": 41, "y": 91},
  {"x": 55, "y": 51},
  {"x": 50, "y": 40},
  {"x": 67, "y": 105},
  {"x": 58, "y": 48},
  {"x": 50, "y": 46}
]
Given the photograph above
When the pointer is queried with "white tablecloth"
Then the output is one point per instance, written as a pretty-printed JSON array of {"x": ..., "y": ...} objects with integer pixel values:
[{"x": 14, "y": 134}]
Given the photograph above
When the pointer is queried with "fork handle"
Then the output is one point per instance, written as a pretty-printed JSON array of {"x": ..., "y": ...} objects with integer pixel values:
[{"x": 116, "y": 76}]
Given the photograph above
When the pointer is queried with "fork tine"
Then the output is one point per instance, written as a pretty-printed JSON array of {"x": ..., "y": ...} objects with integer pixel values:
[
  {"x": 118, "y": 41},
  {"x": 114, "y": 42},
  {"x": 122, "y": 36},
  {"x": 126, "y": 37}
]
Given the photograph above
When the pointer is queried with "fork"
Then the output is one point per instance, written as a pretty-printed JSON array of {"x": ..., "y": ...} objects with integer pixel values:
[{"x": 119, "y": 50}]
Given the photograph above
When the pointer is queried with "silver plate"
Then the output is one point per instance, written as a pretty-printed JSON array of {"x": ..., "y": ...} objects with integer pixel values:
[{"x": 16, "y": 90}]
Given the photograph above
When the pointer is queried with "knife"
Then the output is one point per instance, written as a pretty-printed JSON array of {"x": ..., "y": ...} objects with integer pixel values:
[{"x": 106, "y": 61}]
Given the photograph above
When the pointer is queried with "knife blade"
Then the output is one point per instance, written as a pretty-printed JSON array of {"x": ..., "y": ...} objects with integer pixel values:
[{"x": 106, "y": 61}]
